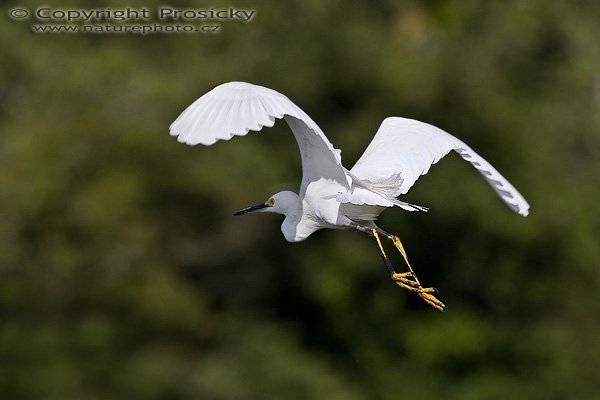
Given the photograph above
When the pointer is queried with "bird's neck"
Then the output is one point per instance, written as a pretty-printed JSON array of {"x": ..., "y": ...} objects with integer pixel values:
[{"x": 289, "y": 227}]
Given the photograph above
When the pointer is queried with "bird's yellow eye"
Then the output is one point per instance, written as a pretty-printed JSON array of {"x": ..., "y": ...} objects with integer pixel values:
[{"x": 270, "y": 202}]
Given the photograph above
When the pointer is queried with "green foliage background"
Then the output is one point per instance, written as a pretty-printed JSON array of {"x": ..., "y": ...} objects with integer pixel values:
[{"x": 123, "y": 274}]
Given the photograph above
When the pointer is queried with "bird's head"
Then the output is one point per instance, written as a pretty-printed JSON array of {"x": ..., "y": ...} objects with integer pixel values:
[{"x": 280, "y": 203}]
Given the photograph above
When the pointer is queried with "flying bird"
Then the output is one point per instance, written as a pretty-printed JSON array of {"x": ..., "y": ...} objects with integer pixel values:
[{"x": 331, "y": 196}]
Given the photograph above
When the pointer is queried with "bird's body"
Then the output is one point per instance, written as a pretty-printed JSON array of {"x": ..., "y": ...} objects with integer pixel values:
[
  {"x": 331, "y": 196},
  {"x": 319, "y": 209}
]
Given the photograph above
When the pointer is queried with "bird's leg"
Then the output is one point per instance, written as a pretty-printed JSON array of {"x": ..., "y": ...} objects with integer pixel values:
[
  {"x": 402, "y": 279},
  {"x": 424, "y": 293},
  {"x": 400, "y": 247},
  {"x": 406, "y": 280}
]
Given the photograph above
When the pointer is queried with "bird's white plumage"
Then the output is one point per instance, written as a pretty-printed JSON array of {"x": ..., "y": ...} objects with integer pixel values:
[
  {"x": 404, "y": 149},
  {"x": 331, "y": 196},
  {"x": 235, "y": 108}
]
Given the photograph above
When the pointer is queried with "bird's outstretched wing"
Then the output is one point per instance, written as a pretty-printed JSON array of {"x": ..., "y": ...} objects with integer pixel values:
[
  {"x": 235, "y": 108},
  {"x": 404, "y": 149}
]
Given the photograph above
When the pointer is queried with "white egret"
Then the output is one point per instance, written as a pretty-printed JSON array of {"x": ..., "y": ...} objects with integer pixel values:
[{"x": 330, "y": 195}]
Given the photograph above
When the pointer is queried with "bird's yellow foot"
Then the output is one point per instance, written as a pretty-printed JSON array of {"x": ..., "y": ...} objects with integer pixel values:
[
  {"x": 408, "y": 281},
  {"x": 431, "y": 299}
]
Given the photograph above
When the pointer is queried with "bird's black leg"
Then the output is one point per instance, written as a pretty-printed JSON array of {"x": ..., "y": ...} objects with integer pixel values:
[
  {"x": 398, "y": 244},
  {"x": 406, "y": 280},
  {"x": 373, "y": 234}
]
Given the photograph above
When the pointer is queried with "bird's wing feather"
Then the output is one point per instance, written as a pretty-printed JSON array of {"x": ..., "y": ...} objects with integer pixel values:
[
  {"x": 235, "y": 108},
  {"x": 404, "y": 149},
  {"x": 364, "y": 196}
]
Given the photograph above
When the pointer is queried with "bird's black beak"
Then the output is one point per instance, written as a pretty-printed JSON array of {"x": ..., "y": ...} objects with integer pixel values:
[{"x": 251, "y": 209}]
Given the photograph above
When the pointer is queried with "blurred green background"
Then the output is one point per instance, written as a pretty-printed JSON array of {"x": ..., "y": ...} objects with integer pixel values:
[{"x": 123, "y": 274}]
